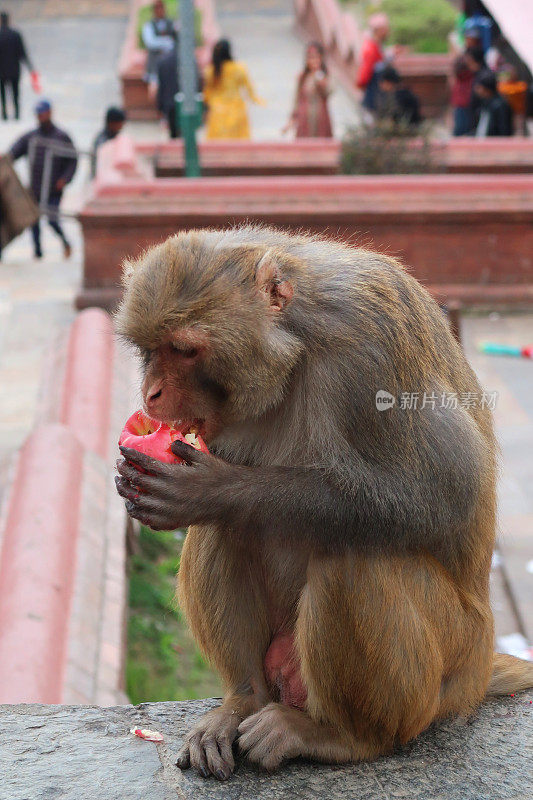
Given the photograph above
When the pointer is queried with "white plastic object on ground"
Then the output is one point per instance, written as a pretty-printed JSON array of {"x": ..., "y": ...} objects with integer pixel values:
[{"x": 149, "y": 736}]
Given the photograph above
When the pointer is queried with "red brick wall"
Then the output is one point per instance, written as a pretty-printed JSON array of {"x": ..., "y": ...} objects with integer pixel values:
[{"x": 467, "y": 238}]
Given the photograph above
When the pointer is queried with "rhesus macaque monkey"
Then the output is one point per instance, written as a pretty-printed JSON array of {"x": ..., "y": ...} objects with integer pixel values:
[{"x": 337, "y": 569}]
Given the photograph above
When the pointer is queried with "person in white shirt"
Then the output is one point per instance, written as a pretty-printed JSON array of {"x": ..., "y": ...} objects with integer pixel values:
[{"x": 159, "y": 37}]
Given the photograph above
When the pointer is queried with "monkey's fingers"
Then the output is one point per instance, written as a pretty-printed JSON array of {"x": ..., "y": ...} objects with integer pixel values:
[
  {"x": 126, "y": 489},
  {"x": 190, "y": 454},
  {"x": 151, "y": 465},
  {"x": 142, "y": 480},
  {"x": 148, "y": 510},
  {"x": 148, "y": 517}
]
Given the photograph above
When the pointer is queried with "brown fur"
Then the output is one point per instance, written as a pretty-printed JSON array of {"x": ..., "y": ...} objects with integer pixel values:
[{"x": 369, "y": 534}]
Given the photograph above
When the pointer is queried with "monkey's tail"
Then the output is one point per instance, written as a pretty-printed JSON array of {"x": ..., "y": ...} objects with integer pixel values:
[{"x": 509, "y": 675}]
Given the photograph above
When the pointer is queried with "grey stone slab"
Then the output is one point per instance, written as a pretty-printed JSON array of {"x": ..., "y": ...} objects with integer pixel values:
[
  {"x": 76, "y": 752},
  {"x": 82, "y": 752}
]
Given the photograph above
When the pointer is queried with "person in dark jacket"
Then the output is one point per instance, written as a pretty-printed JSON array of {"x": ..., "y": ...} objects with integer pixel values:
[
  {"x": 475, "y": 62},
  {"x": 168, "y": 85},
  {"x": 395, "y": 101},
  {"x": 115, "y": 119},
  {"x": 12, "y": 54},
  {"x": 48, "y": 173},
  {"x": 158, "y": 36},
  {"x": 496, "y": 116}
]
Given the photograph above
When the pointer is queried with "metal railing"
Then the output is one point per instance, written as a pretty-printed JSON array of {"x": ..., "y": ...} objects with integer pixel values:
[{"x": 53, "y": 149}]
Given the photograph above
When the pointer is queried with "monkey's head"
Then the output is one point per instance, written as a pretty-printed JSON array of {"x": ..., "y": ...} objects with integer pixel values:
[{"x": 210, "y": 322}]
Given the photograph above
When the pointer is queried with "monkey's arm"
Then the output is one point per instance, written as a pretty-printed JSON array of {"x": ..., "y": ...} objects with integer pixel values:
[{"x": 422, "y": 506}]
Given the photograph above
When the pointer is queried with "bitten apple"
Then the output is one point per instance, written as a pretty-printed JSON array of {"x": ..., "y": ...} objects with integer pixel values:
[{"x": 155, "y": 438}]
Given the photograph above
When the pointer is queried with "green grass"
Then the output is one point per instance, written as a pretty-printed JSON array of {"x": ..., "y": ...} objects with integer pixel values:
[
  {"x": 163, "y": 662},
  {"x": 423, "y": 25}
]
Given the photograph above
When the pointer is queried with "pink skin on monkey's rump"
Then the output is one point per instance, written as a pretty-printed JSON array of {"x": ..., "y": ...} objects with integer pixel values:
[{"x": 282, "y": 671}]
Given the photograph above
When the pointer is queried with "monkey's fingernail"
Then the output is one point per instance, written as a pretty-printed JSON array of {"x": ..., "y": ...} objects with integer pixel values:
[
  {"x": 204, "y": 772},
  {"x": 220, "y": 775}
]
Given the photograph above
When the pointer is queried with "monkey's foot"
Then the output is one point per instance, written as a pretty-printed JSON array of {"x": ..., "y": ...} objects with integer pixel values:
[
  {"x": 273, "y": 735},
  {"x": 208, "y": 745}
]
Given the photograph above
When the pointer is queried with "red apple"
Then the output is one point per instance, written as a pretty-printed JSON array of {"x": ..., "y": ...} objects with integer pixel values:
[{"x": 154, "y": 438}]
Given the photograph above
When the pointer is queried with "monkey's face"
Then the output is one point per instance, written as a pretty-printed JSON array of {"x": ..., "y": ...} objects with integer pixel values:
[
  {"x": 210, "y": 327},
  {"x": 177, "y": 388}
]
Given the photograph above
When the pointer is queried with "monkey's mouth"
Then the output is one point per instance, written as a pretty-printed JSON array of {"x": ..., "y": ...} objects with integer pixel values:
[{"x": 185, "y": 427}]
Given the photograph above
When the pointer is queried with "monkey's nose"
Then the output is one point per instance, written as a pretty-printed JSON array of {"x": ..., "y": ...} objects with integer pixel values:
[{"x": 153, "y": 395}]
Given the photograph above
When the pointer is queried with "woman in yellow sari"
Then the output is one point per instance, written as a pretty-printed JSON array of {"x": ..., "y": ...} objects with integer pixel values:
[{"x": 226, "y": 85}]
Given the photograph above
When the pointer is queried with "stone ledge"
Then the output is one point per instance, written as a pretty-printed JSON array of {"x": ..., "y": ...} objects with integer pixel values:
[{"x": 87, "y": 753}]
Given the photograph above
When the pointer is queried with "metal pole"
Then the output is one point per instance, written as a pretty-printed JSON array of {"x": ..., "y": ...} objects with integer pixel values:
[{"x": 187, "y": 105}]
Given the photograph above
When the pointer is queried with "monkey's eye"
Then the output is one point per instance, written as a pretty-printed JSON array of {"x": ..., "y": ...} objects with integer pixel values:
[
  {"x": 185, "y": 352},
  {"x": 146, "y": 355}
]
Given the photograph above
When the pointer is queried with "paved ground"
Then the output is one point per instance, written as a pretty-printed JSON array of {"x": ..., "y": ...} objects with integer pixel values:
[
  {"x": 78, "y": 60},
  {"x": 512, "y": 378},
  {"x": 262, "y": 35},
  {"x": 22, "y": 10}
]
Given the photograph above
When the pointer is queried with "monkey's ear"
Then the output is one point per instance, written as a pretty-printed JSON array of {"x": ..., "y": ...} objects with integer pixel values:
[
  {"x": 128, "y": 268},
  {"x": 270, "y": 282}
]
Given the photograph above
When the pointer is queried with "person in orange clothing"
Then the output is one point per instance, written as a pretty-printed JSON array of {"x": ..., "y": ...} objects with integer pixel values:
[
  {"x": 372, "y": 56},
  {"x": 515, "y": 92},
  {"x": 226, "y": 89}
]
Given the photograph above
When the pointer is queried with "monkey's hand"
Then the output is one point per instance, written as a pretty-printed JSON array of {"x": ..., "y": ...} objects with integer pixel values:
[{"x": 169, "y": 496}]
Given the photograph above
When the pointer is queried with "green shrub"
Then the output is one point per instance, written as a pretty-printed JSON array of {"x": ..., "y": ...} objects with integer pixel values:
[
  {"x": 388, "y": 149},
  {"x": 163, "y": 662},
  {"x": 423, "y": 25}
]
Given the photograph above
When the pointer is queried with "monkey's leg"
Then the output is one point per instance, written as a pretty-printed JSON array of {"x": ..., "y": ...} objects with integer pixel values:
[
  {"x": 220, "y": 590},
  {"x": 377, "y": 639}
]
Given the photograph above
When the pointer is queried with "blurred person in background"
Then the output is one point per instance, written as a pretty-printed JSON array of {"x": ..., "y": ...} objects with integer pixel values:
[
  {"x": 472, "y": 38},
  {"x": 310, "y": 115},
  {"x": 114, "y": 121},
  {"x": 168, "y": 85},
  {"x": 515, "y": 92},
  {"x": 12, "y": 53},
  {"x": 475, "y": 61},
  {"x": 227, "y": 87},
  {"x": 34, "y": 145},
  {"x": 372, "y": 60},
  {"x": 158, "y": 36},
  {"x": 395, "y": 101},
  {"x": 477, "y": 18},
  {"x": 460, "y": 95},
  {"x": 496, "y": 116}
]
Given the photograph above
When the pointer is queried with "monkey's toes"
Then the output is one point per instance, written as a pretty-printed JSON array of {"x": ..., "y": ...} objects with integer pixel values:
[
  {"x": 183, "y": 761},
  {"x": 209, "y": 755},
  {"x": 267, "y": 737}
]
